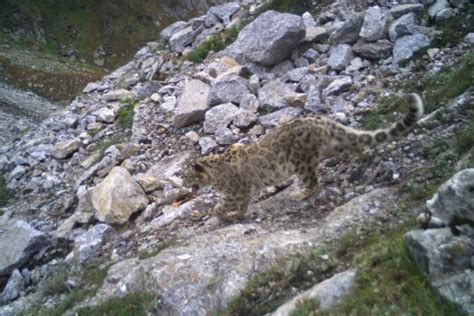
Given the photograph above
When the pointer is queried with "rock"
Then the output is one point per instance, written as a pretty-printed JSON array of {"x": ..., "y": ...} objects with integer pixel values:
[
  {"x": 172, "y": 213},
  {"x": 225, "y": 11},
  {"x": 274, "y": 95},
  {"x": 244, "y": 119},
  {"x": 270, "y": 38},
  {"x": 219, "y": 116},
  {"x": 192, "y": 104},
  {"x": 446, "y": 260},
  {"x": 347, "y": 32},
  {"x": 375, "y": 50},
  {"x": 174, "y": 28},
  {"x": 89, "y": 244},
  {"x": 17, "y": 173},
  {"x": 147, "y": 89},
  {"x": 328, "y": 293},
  {"x": 403, "y": 9},
  {"x": 64, "y": 149},
  {"x": 169, "y": 167},
  {"x": 406, "y": 46},
  {"x": 469, "y": 38},
  {"x": 297, "y": 74},
  {"x": 224, "y": 136},
  {"x": 249, "y": 103},
  {"x": 117, "y": 197},
  {"x": 149, "y": 183},
  {"x": 169, "y": 104},
  {"x": 316, "y": 34},
  {"x": 105, "y": 115},
  {"x": 15, "y": 285},
  {"x": 19, "y": 243},
  {"x": 338, "y": 86},
  {"x": 454, "y": 201},
  {"x": 211, "y": 20},
  {"x": 311, "y": 55},
  {"x": 437, "y": 7},
  {"x": 445, "y": 14},
  {"x": 405, "y": 25},
  {"x": 183, "y": 38},
  {"x": 341, "y": 55},
  {"x": 308, "y": 20},
  {"x": 374, "y": 25},
  {"x": 116, "y": 95},
  {"x": 279, "y": 117},
  {"x": 228, "y": 89},
  {"x": 192, "y": 136},
  {"x": 207, "y": 144}
]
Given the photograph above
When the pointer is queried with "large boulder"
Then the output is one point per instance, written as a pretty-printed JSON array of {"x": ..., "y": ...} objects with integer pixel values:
[
  {"x": 193, "y": 103},
  {"x": 19, "y": 242},
  {"x": 271, "y": 37},
  {"x": 454, "y": 200},
  {"x": 117, "y": 197}
]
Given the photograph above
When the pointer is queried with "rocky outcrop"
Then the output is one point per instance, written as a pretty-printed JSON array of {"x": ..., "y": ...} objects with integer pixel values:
[{"x": 444, "y": 251}]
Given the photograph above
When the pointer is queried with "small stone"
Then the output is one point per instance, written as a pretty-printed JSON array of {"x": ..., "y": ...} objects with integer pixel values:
[
  {"x": 341, "y": 55},
  {"x": 192, "y": 136},
  {"x": 469, "y": 38},
  {"x": 244, "y": 119},
  {"x": 155, "y": 97},
  {"x": 338, "y": 86},
  {"x": 105, "y": 115},
  {"x": 219, "y": 116},
  {"x": 149, "y": 183},
  {"x": 64, "y": 149},
  {"x": 224, "y": 136},
  {"x": 207, "y": 144}
]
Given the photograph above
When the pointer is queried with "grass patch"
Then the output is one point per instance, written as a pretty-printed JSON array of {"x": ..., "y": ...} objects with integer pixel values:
[
  {"x": 5, "y": 194},
  {"x": 126, "y": 113},
  {"x": 89, "y": 280},
  {"x": 291, "y": 6},
  {"x": 305, "y": 307},
  {"x": 216, "y": 42},
  {"x": 135, "y": 304},
  {"x": 384, "y": 113},
  {"x": 453, "y": 30}
]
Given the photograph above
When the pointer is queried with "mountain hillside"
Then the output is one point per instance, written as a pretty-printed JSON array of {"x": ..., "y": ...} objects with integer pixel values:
[{"x": 99, "y": 216}]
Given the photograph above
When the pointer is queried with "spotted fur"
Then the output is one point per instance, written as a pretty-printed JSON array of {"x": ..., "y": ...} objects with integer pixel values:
[{"x": 294, "y": 148}]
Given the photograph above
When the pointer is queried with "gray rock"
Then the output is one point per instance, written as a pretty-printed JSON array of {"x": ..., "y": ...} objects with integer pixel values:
[
  {"x": 15, "y": 285},
  {"x": 328, "y": 293},
  {"x": 249, "y": 103},
  {"x": 337, "y": 86},
  {"x": 171, "y": 213},
  {"x": 65, "y": 148},
  {"x": 147, "y": 89},
  {"x": 406, "y": 46},
  {"x": 224, "y": 136},
  {"x": 279, "y": 117},
  {"x": 105, "y": 115},
  {"x": 244, "y": 119},
  {"x": 228, "y": 89},
  {"x": 445, "y": 14},
  {"x": 219, "y": 116},
  {"x": 17, "y": 173},
  {"x": 89, "y": 244},
  {"x": 183, "y": 38},
  {"x": 297, "y": 74},
  {"x": 19, "y": 243},
  {"x": 311, "y": 55},
  {"x": 403, "y": 9},
  {"x": 117, "y": 197},
  {"x": 341, "y": 55},
  {"x": 446, "y": 260},
  {"x": 316, "y": 34},
  {"x": 116, "y": 95},
  {"x": 174, "y": 28},
  {"x": 469, "y": 38},
  {"x": 211, "y": 20},
  {"x": 405, "y": 25},
  {"x": 225, "y": 11},
  {"x": 374, "y": 25},
  {"x": 274, "y": 95},
  {"x": 192, "y": 104},
  {"x": 374, "y": 50},
  {"x": 308, "y": 20},
  {"x": 169, "y": 167},
  {"x": 207, "y": 144},
  {"x": 454, "y": 200},
  {"x": 271, "y": 37},
  {"x": 437, "y": 7},
  {"x": 282, "y": 68},
  {"x": 347, "y": 32}
]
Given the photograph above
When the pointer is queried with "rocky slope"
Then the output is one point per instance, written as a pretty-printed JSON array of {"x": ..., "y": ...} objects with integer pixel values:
[{"x": 99, "y": 183}]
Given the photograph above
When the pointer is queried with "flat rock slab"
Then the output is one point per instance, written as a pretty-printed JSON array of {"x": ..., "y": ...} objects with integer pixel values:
[{"x": 193, "y": 103}]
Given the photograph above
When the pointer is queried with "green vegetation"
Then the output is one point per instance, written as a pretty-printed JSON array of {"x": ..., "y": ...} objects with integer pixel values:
[
  {"x": 103, "y": 144},
  {"x": 291, "y": 6},
  {"x": 135, "y": 304},
  {"x": 5, "y": 194},
  {"x": 306, "y": 307},
  {"x": 215, "y": 43},
  {"x": 453, "y": 30},
  {"x": 89, "y": 280},
  {"x": 126, "y": 113}
]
